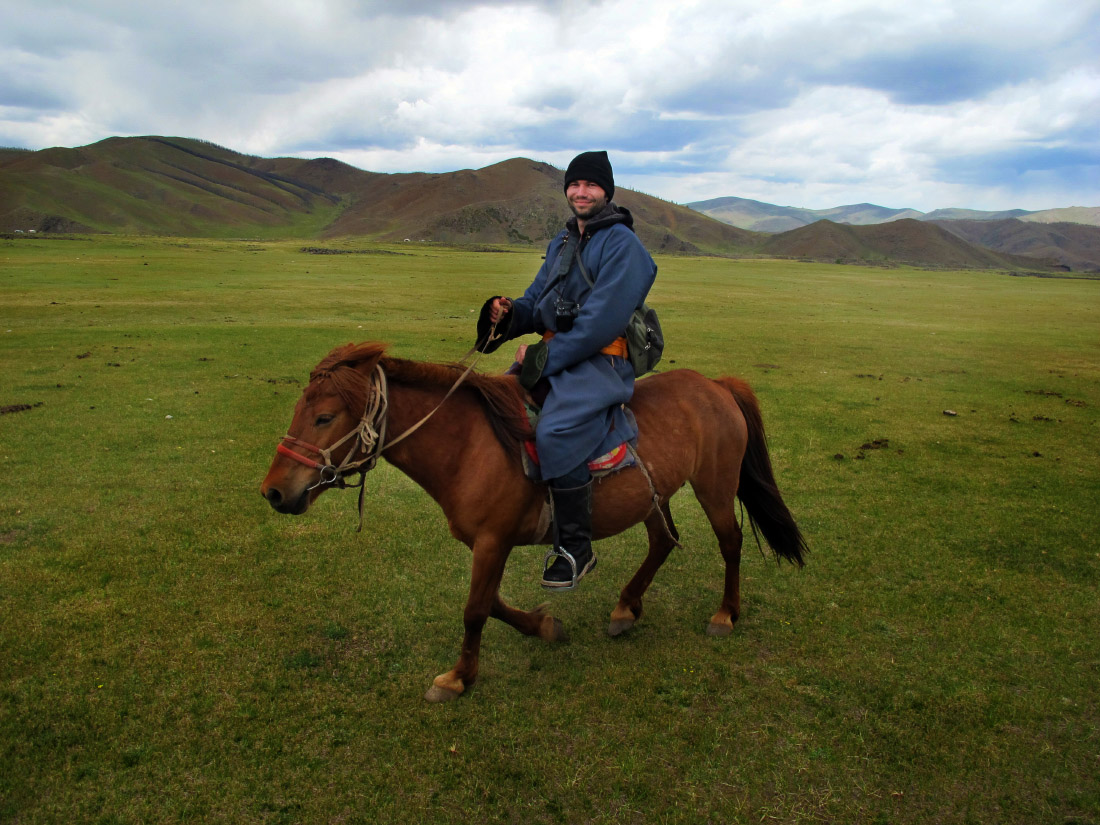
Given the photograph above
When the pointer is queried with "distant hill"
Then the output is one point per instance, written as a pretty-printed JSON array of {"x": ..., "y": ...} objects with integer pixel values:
[
  {"x": 1089, "y": 215},
  {"x": 1072, "y": 246},
  {"x": 765, "y": 217},
  {"x": 972, "y": 215},
  {"x": 905, "y": 241},
  {"x": 1066, "y": 238},
  {"x": 181, "y": 186}
]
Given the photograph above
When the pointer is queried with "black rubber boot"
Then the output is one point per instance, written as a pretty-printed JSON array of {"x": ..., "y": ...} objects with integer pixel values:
[{"x": 572, "y": 551}]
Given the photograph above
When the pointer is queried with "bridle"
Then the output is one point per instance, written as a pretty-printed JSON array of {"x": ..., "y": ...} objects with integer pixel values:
[{"x": 369, "y": 435}]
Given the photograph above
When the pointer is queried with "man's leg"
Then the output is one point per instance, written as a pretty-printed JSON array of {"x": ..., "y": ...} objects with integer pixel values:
[{"x": 572, "y": 554}]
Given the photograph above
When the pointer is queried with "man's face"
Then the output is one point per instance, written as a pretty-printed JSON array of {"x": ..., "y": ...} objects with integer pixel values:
[{"x": 586, "y": 199}]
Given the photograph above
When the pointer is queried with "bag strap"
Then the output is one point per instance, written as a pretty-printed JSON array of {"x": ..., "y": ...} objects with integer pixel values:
[{"x": 591, "y": 283}]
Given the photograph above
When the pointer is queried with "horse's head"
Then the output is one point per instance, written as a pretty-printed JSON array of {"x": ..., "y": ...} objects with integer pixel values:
[{"x": 333, "y": 430}]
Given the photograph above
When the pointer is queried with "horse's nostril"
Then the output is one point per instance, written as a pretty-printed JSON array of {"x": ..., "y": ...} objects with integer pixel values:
[{"x": 273, "y": 496}]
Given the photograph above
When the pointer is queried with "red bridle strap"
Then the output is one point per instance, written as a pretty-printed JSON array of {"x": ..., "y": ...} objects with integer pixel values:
[{"x": 282, "y": 449}]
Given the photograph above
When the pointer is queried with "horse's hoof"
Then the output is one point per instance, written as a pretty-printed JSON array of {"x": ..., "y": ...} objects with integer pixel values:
[
  {"x": 444, "y": 688},
  {"x": 552, "y": 630},
  {"x": 619, "y": 626},
  {"x": 719, "y": 629},
  {"x": 437, "y": 695},
  {"x": 623, "y": 618}
]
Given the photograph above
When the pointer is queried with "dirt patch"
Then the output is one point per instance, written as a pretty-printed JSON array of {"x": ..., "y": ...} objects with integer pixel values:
[
  {"x": 322, "y": 250},
  {"x": 877, "y": 444},
  {"x": 14, "y": 408},
  {"x": 869, "y": 446},
  {"x": 1072, "y": 402},
  {"x": 1084, "y": 276},
  {"x": 265, "y": 380}
]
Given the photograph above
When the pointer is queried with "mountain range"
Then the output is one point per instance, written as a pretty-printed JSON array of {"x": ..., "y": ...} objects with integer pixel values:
[
  {"x": 188, "y": 187},
  {"x": 767, "y": 217}
]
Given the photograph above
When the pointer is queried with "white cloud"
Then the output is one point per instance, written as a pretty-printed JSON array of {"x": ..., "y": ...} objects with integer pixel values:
[{"x": 843, "y": 101}]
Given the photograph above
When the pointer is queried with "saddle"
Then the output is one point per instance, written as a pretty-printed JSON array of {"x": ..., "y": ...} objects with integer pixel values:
[{"x": 618, "y": 458}]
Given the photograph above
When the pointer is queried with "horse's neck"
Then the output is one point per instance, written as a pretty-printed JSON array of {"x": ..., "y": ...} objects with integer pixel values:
[{"x": 432, "y": 454}]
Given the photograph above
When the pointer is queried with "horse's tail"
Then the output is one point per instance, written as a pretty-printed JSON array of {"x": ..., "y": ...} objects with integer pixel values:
[{"x": 757, "y": 488}]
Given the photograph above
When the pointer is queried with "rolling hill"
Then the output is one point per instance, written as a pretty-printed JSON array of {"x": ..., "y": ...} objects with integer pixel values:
[
  {"x": 188, "y": 187},
  {"x": 180, "y": 186},
  {"x": 155, "y": 185}
]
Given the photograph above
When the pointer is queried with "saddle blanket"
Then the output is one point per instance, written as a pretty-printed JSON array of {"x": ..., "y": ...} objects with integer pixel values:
[{"x": 617, "y": 459}]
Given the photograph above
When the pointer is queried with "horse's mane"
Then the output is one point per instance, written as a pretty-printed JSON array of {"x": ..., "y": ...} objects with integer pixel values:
[{"x": 349, "y": 367}]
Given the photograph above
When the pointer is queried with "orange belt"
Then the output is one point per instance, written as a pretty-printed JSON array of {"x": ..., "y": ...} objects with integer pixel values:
[{"x": 616, "y": 347}]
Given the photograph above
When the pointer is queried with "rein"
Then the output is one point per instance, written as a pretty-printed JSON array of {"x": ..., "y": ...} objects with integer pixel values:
[{"x": 370, "y": 434}]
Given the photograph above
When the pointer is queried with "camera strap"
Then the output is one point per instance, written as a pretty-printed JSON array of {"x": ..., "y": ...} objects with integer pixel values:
[{"x": 563, "y": 263}]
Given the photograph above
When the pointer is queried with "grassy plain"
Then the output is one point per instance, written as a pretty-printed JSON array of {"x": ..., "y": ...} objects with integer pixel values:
[{"x": 171, "y": 650}]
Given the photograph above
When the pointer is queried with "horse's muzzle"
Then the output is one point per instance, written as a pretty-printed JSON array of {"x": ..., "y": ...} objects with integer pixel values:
[{"x": 281, "y": 504}]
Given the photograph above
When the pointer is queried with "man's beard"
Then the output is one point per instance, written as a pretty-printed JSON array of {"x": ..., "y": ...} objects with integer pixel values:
[{"x": 590, "y": 211}]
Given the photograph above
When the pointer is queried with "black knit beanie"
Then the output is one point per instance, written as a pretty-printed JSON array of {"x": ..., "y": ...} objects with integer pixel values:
[{"x": 593, "y": 167}]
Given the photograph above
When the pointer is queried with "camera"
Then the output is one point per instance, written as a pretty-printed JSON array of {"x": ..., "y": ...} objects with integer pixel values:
[{"x": 565, "y": 312}]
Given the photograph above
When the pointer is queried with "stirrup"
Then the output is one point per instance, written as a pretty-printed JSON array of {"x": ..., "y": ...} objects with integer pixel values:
[{"x": 577, "y": 574}]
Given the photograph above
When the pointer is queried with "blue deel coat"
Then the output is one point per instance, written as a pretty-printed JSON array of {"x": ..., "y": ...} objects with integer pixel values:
[{"x": 584, "y": 415}]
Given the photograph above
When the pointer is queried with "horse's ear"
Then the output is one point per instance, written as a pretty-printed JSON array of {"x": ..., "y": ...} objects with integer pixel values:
[
  {"x": 365, "y": 355},
  {"x": 350, "y": 355}
]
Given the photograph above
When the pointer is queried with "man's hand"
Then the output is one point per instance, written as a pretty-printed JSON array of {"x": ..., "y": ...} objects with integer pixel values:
[
  {"x": 520, "y": 353},
  {"x": 499, "y": 308}
]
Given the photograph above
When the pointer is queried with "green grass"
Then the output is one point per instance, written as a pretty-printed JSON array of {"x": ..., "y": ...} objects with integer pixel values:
[{"x": 172, "y": 650}]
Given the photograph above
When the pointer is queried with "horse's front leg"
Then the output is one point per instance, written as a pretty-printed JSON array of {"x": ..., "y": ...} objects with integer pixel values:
[{"x": 490, "y": 555}]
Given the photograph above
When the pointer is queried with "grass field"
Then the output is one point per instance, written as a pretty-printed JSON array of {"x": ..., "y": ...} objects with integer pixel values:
[{"x": 171, "y": 650}]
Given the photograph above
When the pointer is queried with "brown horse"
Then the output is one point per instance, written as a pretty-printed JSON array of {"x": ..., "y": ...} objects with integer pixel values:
[{"x": 464, "y": 450}]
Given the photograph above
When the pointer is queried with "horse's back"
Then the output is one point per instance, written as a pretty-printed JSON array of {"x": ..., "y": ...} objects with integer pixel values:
[
  {"x": 687, "y": 421},
  {"x": 684, "y": 395}
]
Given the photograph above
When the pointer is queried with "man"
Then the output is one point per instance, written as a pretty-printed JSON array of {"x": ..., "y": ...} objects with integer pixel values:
[{"x": 581, "y": 364}]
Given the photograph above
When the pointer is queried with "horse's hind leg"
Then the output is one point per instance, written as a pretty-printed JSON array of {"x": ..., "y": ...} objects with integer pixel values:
[
  {"x": 662, "y": 539},
  {"x": 720, "y": 506},
  {"x": 530, "y": 623}
]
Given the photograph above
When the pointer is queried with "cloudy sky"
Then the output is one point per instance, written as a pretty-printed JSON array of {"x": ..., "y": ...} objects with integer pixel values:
[{"x": 988, "y": 104}]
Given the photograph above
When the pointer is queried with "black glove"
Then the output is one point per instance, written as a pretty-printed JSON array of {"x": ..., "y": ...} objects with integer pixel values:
[{"x": 485, "y": 324}]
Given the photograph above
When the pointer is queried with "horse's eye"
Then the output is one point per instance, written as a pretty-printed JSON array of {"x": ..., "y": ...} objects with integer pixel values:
[{"x": 323, "y": 419}]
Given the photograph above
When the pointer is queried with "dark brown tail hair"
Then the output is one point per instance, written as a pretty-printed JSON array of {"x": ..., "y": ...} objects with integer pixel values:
[{"x": 757, "y": 488}]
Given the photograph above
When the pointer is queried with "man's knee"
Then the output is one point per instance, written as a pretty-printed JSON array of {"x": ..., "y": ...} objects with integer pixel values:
[{"x": 577, "y": 477}]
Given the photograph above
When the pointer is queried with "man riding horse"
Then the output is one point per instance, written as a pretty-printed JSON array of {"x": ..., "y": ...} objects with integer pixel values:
[{"x": 595, "y": 274}]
